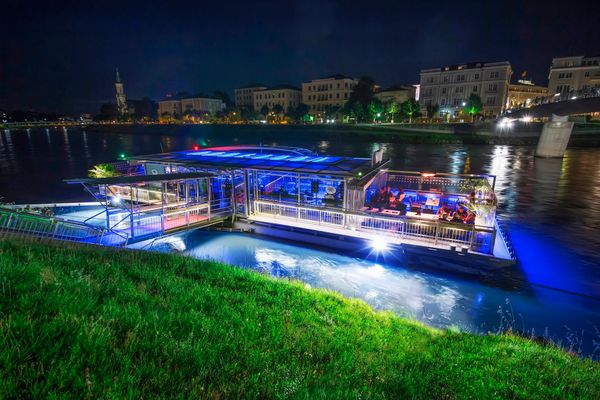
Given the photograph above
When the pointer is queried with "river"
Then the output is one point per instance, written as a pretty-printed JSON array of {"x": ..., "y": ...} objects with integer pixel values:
[{"x": 552, "y": 210}]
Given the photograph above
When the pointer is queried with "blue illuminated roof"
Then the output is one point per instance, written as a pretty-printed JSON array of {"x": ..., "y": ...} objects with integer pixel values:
[{"x": 263, "y": 158}]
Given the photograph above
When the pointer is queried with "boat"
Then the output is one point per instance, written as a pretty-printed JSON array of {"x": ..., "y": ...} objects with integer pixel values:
[{"x": 358, "y": 205}]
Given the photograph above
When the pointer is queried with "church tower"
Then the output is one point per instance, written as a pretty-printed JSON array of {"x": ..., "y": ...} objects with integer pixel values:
[{"x": 121, "y": 102}]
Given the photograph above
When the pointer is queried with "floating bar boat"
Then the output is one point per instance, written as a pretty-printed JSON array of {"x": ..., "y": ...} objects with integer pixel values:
[{"x": 355, "y": 204}]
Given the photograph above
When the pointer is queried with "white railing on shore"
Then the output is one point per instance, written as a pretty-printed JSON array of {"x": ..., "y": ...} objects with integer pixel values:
[
  {"x": 23, "y": 224},
  {"x": 479, "y": 239}
]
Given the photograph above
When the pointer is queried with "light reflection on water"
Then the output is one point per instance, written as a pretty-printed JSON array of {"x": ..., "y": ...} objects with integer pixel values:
[{"x": 438, "y": 300}]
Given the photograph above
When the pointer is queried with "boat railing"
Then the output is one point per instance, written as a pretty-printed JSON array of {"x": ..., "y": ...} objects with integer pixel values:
[
  {"x": 24, "y": 224},
  {"x": 475, "y": 238}
]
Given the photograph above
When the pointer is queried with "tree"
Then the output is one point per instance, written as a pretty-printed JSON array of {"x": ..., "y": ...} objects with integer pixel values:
[
  {"x": 362, "y": 95},
  {"x": 102, "y": 171},
  {"x": 411, "y": 108},
  {"x": 392, "y": 108},
  {"x": 301, "y": 111},
  {"x": 376, "y": 109},
  {"x": 474, "y": 105},
  {"x": 265, "y": 110},
  {"x": 432, "y": 110},
  {"x": 278, "y": 109},
  {"x": 224, "y": 97},
  {"x": 331, "y": 112}
]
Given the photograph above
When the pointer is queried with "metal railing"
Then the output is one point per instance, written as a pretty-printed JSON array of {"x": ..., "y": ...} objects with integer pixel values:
[
  {"x": 23, "y": 224},
  {"x": 476, "y": 238}
]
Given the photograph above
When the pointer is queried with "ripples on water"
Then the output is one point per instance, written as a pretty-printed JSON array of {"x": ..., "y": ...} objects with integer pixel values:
[{"x": 552, "y": 208}]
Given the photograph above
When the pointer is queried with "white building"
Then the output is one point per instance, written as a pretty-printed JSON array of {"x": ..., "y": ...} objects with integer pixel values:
[
  {"x": 179, "y": 105},
  {"x": 569, "y": 74},
  {"x": 399, "y": 94},
  {"x": 244, "y": 96},
  {"x": 287, "y": 96},
  {"x": 450, "y": 87},
  {"x": 332, "y": 90}
]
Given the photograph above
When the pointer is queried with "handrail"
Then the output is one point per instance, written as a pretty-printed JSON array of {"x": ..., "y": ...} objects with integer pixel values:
[
  {"x": 471, "y": 236},
  {"x": 14, "y": 222}
]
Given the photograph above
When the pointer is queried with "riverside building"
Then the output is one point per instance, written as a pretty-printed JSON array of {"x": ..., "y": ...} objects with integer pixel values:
[
  {"x": 287, "y": 96},
  {"x": 569, "y": 74},
  {"x": 182, "y": 104},
  {"x": 523, "y": 94},
  {"x": 330, "y": 91},
  {"x": 450, "y": 87},
  {"x": 244, "y": 95},
  {"x": 399, "y": 94}
]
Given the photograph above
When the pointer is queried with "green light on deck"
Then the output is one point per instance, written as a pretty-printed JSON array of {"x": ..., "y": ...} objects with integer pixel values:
[
  {"x": 360, "y": 174},
  {"x": 122, "y": 155}
]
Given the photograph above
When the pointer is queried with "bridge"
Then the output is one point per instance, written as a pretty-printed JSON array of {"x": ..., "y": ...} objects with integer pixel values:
[{"x": 556, "y": 132}]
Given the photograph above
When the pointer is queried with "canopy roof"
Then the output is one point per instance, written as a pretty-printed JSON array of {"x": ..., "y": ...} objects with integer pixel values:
[
  {"x": 130, "y": 179},
  {"x": 264, "y": 159}
]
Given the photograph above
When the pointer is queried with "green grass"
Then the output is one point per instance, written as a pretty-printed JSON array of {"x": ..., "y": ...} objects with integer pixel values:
[{"x": 85, "y": 322}]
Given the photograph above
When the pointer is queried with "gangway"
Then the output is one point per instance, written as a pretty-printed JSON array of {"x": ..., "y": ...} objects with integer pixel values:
[
  {"x": 147, "y": 206},
  {"x": 23, "y": 224}
]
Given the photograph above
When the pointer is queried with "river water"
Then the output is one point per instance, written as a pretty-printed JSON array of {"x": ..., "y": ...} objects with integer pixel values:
[{"x": 552, "y": 210}]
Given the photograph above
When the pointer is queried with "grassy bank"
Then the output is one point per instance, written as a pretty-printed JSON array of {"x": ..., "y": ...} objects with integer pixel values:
[{"x": 87, "y": 322}]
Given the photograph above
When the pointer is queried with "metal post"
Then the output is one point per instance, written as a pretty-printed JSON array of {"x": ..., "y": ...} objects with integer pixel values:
[
  {"x": 131, "y": 211},
  {"x": 209, "y": 193},
  {"x": 233, "y": 205},
  {"x": 162, "y": 211}
]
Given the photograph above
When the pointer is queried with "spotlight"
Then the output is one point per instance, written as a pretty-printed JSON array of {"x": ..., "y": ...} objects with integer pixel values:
[{"x": 379, "y": 244}]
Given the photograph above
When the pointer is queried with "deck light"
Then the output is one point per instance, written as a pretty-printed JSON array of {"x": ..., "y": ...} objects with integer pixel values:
[
  {"x": 360, "y": 174},
  {"x": 196, "y": 147},
  {"x": 427, "y": 174},
  {"x": 122, "y": 155},
  {"x": 379, "y": 244}
]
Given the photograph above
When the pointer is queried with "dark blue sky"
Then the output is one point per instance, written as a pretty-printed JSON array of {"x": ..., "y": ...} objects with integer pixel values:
[{"x": 60, "y": 56}]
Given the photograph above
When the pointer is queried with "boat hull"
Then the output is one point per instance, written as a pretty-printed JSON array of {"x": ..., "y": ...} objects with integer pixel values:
[{"x": 408, "y": 255}]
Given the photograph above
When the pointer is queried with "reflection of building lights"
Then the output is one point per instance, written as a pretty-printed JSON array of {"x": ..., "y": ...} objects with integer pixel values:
[
  {"x": 427, "y": 174},
  {"x": 115, "y": 200},
  {"x": 527, "y": 118},
  {"x": 379, "y": 244}
]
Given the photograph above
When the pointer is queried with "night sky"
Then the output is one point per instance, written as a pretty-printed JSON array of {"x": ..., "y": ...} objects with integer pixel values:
[{"x": 60, "y": 56}]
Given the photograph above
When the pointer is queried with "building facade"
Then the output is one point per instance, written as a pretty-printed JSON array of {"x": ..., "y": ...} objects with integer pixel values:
[
  {"x": 331, "y": 91},
  {"x": 244, "y": 96},
  {"x": 568, "y": 74},
  {"x": 523, "y": 94},
  {"x": 399, "y": 94},
  {"x": 450, "y": 87},
  {"x": 182, "y": 104},
  {"x": 287, "y": 96}
]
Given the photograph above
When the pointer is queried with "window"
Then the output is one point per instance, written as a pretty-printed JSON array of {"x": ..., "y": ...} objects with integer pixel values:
[
  {"x": 442, "y": 101},
  {"x": 474, "y": 89},
  {"x": 444, "y": 90},
  {"x": 445, "y": 79},
  {"x": 494, "y": 75},
  {"x": 490, "y": 101},
  {"x": 587, "y": 74},
  {"x": 346, "y": 95},
  {"x": 337, "y": 95},
  {"x": 493, "y": 87},
  {"x": 476, "y": 76},
  {"x": 460, "y": 89},
  {"x": 460, "y": 78}
]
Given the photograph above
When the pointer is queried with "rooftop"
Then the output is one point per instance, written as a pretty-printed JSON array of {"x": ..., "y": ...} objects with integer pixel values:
[
  {"x": 334, "y": 76},
  {"x": 283, "y": 86},
  {"x": 252, "y": 85},
  {"x": 471, "y": 65},
  {"x": 264, "y": 158}
]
